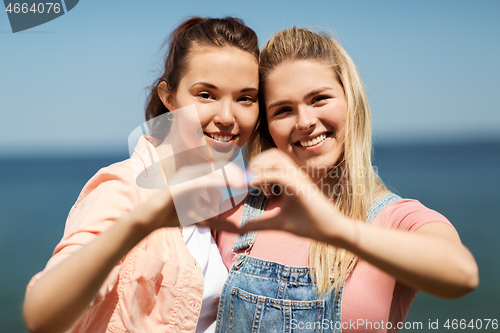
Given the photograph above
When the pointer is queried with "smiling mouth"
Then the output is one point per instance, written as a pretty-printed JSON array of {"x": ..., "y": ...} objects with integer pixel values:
[
  {"x": 221, "y": 138},
  {"x": 313, "y": 142}
]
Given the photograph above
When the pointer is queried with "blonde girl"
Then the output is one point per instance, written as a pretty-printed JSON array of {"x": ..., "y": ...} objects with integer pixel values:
[{"x": 335, "y": 251}]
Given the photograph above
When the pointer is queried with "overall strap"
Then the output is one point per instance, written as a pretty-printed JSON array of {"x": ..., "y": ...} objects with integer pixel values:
[
  {"x": 253, "y": 209},
  {"x": 378, "y": 205}
]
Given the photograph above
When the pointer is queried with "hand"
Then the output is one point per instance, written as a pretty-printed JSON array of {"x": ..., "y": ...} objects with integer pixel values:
[
  {"x": 301, "y": 208},
  {"x": 194, "y": 194}
]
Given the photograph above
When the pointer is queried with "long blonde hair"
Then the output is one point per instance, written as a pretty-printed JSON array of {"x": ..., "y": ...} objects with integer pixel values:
[{"x": 359, "y": 183}]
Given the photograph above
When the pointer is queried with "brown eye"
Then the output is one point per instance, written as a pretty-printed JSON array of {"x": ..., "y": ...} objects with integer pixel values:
[
  {"x": 205, "y": 96},
  {"x": 247, "y": 100}
]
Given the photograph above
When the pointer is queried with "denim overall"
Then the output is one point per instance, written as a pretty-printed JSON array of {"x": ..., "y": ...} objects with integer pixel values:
[{"x": 265, "y": 296}]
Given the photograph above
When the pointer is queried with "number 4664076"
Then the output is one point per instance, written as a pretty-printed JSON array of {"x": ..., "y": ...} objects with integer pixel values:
[
  {"x": 39, "y": 8},
  {"x": 472, "y": 324}
]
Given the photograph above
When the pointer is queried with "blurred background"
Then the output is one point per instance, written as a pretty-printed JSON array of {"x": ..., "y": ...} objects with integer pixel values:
[{"x": 73, "y": 89}]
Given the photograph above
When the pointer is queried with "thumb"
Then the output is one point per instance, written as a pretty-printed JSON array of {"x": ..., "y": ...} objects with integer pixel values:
[{"x": 271, "y": 223}]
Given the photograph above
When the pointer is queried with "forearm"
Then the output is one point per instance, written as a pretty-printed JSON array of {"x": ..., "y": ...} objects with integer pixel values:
[
  {"x": 63, "y": 293},
  {"x": 431, "y": 259},
  {"x": 435, "y": 263}
]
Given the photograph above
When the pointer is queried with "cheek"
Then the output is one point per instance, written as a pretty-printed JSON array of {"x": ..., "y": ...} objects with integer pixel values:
[
  {"x": 338, "y": 118},
  {"x": 249, "y": 118},
  {"x": 205, "y": 114},
  {"x": 277, "y": 131}
]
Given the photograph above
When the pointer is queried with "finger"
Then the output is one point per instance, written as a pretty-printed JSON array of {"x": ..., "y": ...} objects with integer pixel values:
[
  {"x": 220, "y": 224},
  {"x": 203, "y": 175},
  {"x": 272, "y": 223},
  {"x": 188, "y": 216},
  {"x": 284, "y": 173},
  {"x": 263, "y": 175},
  {"x": 235, "y": 176}
]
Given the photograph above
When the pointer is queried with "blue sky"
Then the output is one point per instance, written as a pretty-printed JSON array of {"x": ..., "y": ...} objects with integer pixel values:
[{"x": 78, "y": 84}]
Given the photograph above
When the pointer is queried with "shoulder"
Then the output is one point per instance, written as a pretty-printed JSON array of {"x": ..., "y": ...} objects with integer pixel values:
[
  {"x": 105, "y": 197},
  {"x": 118, "y": 171},
  {"x": 110, "y": 193},
  {"x": 409, "y": 215},
  {"x": 117, "y": 175}
]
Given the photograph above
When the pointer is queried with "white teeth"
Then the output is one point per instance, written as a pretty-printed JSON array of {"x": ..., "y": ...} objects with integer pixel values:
[
  {"x": 314, "y": 141},
  {"x": 223, "y": 138}
]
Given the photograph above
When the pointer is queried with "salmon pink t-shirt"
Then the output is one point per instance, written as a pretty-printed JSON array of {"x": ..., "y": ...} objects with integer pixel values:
[{"x": 371, "y": 298}]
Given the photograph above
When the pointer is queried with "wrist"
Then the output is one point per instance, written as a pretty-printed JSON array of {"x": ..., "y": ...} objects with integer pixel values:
[
  {"x": 159, "y": 211},
  {"x": 135, "y": 227},
  {"x": 346, "y": 234}
]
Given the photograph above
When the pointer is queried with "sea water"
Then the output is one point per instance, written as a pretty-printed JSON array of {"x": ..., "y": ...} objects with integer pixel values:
[{"x": 460, "y": 180}]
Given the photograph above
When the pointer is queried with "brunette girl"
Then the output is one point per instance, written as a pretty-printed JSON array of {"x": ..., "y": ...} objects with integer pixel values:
[{"x": 123, "y": 264}]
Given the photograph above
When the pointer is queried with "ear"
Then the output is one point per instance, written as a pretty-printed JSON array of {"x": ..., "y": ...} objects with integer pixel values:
[{"x": 167, "y": 97}]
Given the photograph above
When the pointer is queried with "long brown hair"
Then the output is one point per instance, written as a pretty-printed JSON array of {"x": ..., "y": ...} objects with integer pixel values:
[
  {"x": 198, "y": 31},
  {"x": 330, "y": 264}
]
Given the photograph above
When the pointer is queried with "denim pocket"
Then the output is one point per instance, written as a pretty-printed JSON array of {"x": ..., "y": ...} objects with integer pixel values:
[{"x": 248, "y": 311}]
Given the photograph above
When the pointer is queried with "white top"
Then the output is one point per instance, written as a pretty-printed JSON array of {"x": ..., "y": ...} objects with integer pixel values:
[{"x": 202, "y": 247}]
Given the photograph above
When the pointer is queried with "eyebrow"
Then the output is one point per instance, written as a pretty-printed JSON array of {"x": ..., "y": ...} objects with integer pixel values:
[
  {"x": 279, "y": 103},
  {"x": 205, "y": 84},
  {"x": 308, "y": 95},
  {"x": 249, "y": 90},
  {"x": 211, "y": 86}
]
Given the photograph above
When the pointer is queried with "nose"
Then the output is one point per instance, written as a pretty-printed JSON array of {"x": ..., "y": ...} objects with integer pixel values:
[
  {"x": 225, "y": 115},
  {"x": 306, "y": 119}
]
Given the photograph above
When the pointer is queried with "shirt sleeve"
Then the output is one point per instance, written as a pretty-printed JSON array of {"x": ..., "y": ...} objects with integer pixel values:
[
  {"x": 105, "y": 198},
  {"x": 410, "y": 215}
]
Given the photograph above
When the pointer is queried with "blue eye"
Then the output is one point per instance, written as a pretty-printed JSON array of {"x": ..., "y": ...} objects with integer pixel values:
[
  {"x": 320, "y": 98},
  {"x": 282, "y": 111}
]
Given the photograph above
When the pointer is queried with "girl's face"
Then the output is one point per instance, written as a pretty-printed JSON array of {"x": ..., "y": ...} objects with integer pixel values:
[
  {"x": 306, "y": 112},
  {"x": 223, "y": 85}
]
